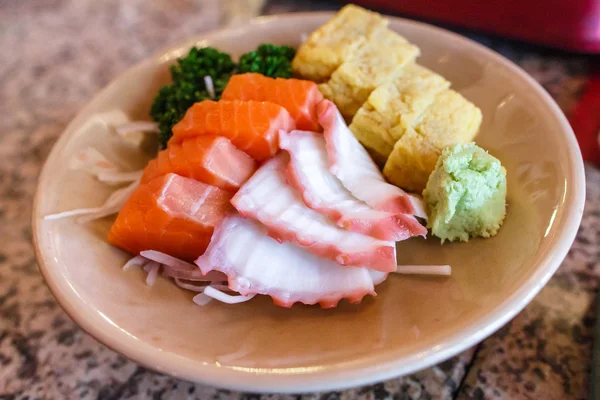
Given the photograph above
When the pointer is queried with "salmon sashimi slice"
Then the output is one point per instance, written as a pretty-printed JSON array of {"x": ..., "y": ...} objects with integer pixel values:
[
  {"x": 267, "y": 198},
  {"x": 255, "y": 263},
  {"x": 209, "y": 159},
  {"x": 308, "y": 171},
  {"x": 299, "y": 97},
  {"x": 352, "y": 165},
  {"x": 252, "y": 126},
  {"x": 170, "y": 214}
]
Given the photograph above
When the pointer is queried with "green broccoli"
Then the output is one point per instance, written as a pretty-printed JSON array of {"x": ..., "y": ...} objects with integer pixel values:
[
  {"x": 188, "y": 87},
  {"x": 270, "y": 60}
]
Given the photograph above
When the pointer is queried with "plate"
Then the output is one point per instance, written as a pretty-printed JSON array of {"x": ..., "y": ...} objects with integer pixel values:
[{"x": 413, "y": 323}]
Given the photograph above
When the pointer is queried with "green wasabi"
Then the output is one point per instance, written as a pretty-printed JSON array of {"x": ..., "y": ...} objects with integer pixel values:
[{"x": 466, "y": 194}]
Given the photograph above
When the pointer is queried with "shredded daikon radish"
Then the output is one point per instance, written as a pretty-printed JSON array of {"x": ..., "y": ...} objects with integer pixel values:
[
  {"x": 136, "y": 126},
  {"x": 224, "y": 297},
  {"x": 424, "y": 269},
  {"x": 193, "y": 275},
  {"x": 202, "y": 299},
  {"x": 167, "y": 260},
  {"x": 112, "y": 205},
  {"x": 199, "y": 288},
  {"x": 72, "y": 213},
  {"x": 134, "y": 262},
  {"x": 210, "y": 87},
  {"x": 152, "y": 269},
  {"x": 91, "y": 161},
  {"x": 119, "y": 177},
  {"x": 96, "y": 164},
  {"x": 303, "y": 37},
  {"x": 190, "y": 286}
]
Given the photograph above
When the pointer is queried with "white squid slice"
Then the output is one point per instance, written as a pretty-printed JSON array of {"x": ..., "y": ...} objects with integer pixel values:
[
  {"x": 257, "y": 264},
  {"x": 267, "y": 198},
  {"x": 308, "y": 171},
  {"x": 350, "y": 162}
]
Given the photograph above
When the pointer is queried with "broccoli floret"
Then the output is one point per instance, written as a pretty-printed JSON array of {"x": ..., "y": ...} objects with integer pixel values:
[
  {"x": 270, "y": 60},
  {"x": 188, "y": 87}
]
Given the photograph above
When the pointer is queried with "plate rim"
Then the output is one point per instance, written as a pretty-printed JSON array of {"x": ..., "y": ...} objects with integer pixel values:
[{"x": 344, "y": 374}]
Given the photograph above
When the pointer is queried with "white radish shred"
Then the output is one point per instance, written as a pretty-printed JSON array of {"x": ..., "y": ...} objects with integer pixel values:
[
  {"x": 72, "y": 213},
  {"x": 202, "y": 299},
  {"x": 134, "y": 262},
  {"x": 152, "y": 269},
  {"x": 190, "y": 286},
  {"x": 167, "y": 260},
  {"x": 119, "y": 177},
  {"x": 210, "y": 87},
  {"x": 137, "y": 126},
  {"x": 96, "y": 164},
  {"x": 152, "y": 261},
  {"x": 445, "y": 270},
  {"x": 303, "y": 37},
  {"x": 193, "y": 275},
  {"x": 112, "y": 205},
  {"x": 199, "y": 288},
  {"x": 91, "y": 161},
  {"x": 224, "y": 297}
]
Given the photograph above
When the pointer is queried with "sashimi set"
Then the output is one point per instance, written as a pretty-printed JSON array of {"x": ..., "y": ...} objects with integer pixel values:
[{"x": 271, "y": 185}]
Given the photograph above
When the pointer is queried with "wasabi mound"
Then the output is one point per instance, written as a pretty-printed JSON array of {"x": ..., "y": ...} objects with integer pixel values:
[{"x": 466, "y": 194}]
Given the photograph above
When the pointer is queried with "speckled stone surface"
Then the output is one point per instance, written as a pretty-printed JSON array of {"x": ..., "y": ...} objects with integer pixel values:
[{"x": 56, "y": 54}]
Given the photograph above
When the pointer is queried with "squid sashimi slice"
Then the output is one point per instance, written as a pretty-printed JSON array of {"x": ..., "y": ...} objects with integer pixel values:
[
  {"x": 255, "y": 263},
  {"x": 308, "y": 171},
  {"x": 170, "y": 214},
  {"x": 350, "y": 162},
  {"x": 269, "y": 199}
]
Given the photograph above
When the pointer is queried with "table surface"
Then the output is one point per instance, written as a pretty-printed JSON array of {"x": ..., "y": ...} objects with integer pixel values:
[{"x": 56, "y": 54}]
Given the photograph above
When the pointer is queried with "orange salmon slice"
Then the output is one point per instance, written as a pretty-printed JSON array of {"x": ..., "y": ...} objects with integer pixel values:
[
  {"x": 252, "y": 126},
  {"x": 170, "y": 214},
  {"x": 210, "y": 159},
  {"x": 298, "y": 96}
]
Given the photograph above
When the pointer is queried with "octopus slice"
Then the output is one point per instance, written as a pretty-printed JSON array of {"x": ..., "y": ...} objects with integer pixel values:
[
  {"x": 255, "y": 263},
  {"x": 351, "y": 164},
  {"x": 267, "y": 198},
  {"x": 308, "y": 171}
]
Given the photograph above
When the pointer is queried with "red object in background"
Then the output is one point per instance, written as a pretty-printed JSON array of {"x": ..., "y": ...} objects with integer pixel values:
[
  {"x": 585, "y": 120},
  {"x": 567, "y": 24}
]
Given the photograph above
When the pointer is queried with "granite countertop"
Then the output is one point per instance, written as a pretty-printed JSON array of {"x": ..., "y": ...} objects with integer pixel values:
[{"x": 56, "y": 54}]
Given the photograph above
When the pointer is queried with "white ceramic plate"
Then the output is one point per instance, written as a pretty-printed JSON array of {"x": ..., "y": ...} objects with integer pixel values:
[{"x": 414, "y": 322}]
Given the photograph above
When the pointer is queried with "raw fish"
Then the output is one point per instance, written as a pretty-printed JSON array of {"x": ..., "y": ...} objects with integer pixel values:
[
  {"x": 209, "y": 159},
  {"x": 170, "y": 214},
  {"x": 299, "y": 97},
  {"x": 251, "y": 126}
]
